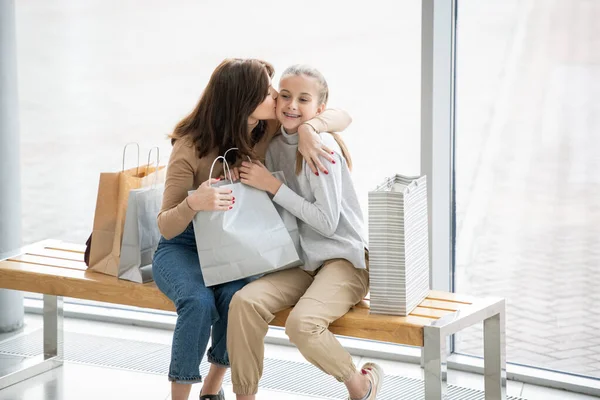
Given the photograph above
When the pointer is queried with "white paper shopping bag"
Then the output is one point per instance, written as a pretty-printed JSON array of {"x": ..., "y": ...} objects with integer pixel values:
[
  {"x": 398, "y": 245},
  {"x": 140, "y": 231},
  {"x": 248, "y": 240},
  {"x": 140, "y": 234}
]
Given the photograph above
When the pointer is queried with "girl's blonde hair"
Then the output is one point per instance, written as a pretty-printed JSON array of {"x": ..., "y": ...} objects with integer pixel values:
[{"x": 307, "y": 70}]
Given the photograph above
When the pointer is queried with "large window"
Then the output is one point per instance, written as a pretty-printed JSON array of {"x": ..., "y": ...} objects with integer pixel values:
[
  {"x": 527, "y": 175},
  {"x": 96, "y": 75}
]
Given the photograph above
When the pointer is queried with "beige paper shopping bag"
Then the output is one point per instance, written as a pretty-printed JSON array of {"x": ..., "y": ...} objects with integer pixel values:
[{"x": 111, "y": 208}]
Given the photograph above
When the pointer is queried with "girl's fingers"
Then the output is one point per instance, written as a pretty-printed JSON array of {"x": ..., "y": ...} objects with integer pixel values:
[
  {"x": 245, "y": 175},
  {"x": 236, "y": 174}
]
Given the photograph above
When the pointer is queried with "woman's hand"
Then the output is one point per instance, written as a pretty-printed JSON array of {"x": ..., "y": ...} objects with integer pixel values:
[
  {"x": 255, "y": 174},
  {"x": 311, "y": 148},
  {"x": 207, "y": 198}
]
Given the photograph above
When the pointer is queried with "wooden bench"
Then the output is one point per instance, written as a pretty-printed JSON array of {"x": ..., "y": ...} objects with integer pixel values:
[{"x": 56, "y": 269}]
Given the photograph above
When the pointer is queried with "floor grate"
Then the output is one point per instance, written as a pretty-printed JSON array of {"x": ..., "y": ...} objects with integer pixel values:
[{"x": 154, "y": 358}]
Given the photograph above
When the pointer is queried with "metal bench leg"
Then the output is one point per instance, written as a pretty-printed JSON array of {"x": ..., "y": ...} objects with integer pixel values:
[
  {"x": 53, "y": 342},
  {"x": 494, "y": 353},
  {"x": 434, "y": 364},
  {"x": 53, "y": 326}
]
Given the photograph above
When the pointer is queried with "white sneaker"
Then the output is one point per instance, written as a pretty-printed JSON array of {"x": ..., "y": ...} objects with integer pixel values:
[{"x": 375, "y": 374}]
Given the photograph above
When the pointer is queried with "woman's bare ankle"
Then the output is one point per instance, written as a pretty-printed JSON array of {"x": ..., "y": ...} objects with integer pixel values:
[
  {"x": 358, "y": 385},
  {"x": 180, "y": 391},
  {"x": 214, "y": 380}
]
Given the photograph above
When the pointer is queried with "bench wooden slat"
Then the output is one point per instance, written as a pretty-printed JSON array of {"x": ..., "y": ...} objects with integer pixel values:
[
  {"x": 79, "y": 284},
  {"x": 73, "y": 247},
  {"x": 58, "y": 254},
  {"x": 417, "y": 312},
  {"x": 95, "y": 286},
  {"x": 53, "y": 262},
  {"x": 441, "y": 305},
  {"x": 57, "y": 268},
  {"x": 430, "y": 312}
]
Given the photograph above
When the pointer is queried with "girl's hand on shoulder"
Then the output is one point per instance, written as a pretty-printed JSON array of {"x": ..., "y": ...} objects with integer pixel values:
[
  {"x": 311, "y": 148},
  {"x": 208, "y": 198},
  {"x": 255, "y": 174}
]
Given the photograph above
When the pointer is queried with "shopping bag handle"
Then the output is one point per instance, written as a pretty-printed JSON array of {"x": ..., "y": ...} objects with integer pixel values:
[
  {"x": 157, "y": 164},
  {"x": 137, "y": 171},
  {"x": 225, "y": 166},
  {"x": 414, "y": 183},
  {"x": 234, "y": 148}
]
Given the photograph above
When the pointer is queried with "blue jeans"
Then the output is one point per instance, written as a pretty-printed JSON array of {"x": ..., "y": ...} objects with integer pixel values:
[{"x": 177, "y": 274}]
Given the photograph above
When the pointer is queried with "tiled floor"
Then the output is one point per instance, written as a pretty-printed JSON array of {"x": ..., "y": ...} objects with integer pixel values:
[{"x": 77, "y": 381}]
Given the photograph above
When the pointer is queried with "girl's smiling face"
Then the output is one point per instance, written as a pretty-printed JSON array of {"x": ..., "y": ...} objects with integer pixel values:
[{"x": 298, "y": 101}]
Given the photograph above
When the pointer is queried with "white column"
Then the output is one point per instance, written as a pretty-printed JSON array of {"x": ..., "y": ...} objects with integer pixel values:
[
  {"x": 437, "y": 130},
  {"x": 11, "y": 302}
]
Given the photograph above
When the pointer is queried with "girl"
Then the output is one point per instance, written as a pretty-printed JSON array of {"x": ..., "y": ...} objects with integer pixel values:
[
  {"x": 334, "y": 276},
  {"x": 237, "y": 109}
]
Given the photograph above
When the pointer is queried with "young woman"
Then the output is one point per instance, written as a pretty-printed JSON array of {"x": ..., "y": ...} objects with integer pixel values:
[
  {"x": 237, "y": 109},
  {"x": 334, "y": 276}
]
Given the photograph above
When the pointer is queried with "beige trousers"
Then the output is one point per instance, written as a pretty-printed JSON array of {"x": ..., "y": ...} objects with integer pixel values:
[{"x": 319, "y": 299}]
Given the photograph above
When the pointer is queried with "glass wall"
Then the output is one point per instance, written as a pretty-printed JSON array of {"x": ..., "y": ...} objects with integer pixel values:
[
  {"x": 95, "y": 75},
  {"x": 528, "y": 175}
]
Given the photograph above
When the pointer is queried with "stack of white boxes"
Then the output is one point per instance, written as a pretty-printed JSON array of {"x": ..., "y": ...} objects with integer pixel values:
[{"x": 398, "y": 245}]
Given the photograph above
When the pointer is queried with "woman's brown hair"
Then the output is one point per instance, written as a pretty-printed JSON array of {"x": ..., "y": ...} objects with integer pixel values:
[{"x": 220, "y": 119}]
